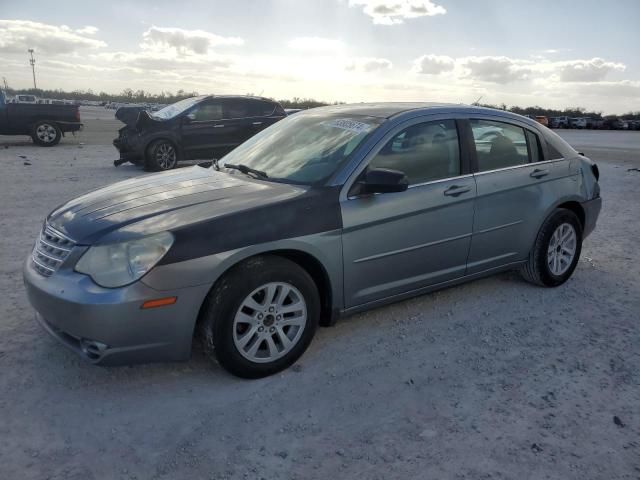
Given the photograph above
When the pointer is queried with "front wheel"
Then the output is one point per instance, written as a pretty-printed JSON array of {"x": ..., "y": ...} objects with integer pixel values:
[
  {"x": 556, "y": 251},
  {"x": 46, "y": 134},
  {"x": 161, "y": 155},
  {"x": 260, "y": 317}
]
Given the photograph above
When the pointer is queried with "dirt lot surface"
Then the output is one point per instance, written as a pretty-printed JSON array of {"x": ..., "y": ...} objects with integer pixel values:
[{"x": 496, "y": 379}]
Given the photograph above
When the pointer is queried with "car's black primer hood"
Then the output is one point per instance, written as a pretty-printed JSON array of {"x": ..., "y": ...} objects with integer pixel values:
[{"x": 166, "y": 201}]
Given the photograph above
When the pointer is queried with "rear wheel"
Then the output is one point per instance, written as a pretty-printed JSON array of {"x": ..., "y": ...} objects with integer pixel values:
[
  {"x": 556, "y": 251},
  {"x": 260, "y": 317},
  {"x": 46, "y": 134},
  {"x": 161, "y": 155}
]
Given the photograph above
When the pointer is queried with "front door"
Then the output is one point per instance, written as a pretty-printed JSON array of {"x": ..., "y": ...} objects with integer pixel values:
[
  {"x": 203, "y": 129},
  {"x": 394, "y": 243}
]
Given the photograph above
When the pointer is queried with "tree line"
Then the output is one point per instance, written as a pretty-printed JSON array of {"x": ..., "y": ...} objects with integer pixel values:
[{"x": 129, "y": 95}]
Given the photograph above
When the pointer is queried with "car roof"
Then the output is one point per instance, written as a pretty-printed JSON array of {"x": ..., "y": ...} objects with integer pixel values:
[
  {"x": 244, "y": 97},
  {"x": 394, "y": 109}
]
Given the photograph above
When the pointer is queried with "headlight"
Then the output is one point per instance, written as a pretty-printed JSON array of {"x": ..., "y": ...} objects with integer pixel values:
[{"x": 122, "y": 263}]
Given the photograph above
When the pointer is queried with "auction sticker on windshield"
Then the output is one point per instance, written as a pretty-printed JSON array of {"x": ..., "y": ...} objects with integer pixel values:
[{"x": 351, "y": 125}]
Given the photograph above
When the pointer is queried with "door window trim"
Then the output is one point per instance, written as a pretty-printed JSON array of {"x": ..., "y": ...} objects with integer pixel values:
[
  {"x": 465, "y": 170},
  {"x": 513, "y": 167}
]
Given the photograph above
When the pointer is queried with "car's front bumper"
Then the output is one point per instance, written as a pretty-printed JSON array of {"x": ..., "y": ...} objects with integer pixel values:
[
  {"x": 591, "y": 212},
  {"x": 108, "y": 326}
]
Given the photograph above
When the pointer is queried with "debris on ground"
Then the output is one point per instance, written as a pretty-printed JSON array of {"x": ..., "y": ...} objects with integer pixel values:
[{"x": 617, "y": 421}]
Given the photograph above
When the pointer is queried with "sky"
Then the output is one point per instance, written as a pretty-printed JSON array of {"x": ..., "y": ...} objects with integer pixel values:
[{"x": 552, "y": 53}]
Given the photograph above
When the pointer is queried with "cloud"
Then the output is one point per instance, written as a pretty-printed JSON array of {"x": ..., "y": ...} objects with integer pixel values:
[
  {"x": 496, "y": 69},
  {"x": 433, "y": 64},
  {"x": 88, "y": 30},
  {"x": 369, "y": 65},
  {"x": 393, "y": 12},
  {"x": 16, "y": 36},
  {"x": 316, "y": 44},
  {"x": 592, "y": 70},
  {"x": 185, "y": 42}
]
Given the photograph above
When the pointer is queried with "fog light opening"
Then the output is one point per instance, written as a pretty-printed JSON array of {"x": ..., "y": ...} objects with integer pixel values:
[{"x": 92, "y": 349}]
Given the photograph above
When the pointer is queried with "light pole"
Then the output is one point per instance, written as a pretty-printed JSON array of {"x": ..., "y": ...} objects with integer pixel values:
[{"x": 32, "y": 61}]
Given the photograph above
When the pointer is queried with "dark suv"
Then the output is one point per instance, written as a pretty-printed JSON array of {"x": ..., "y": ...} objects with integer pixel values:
[{"x": 203, "y": 127}]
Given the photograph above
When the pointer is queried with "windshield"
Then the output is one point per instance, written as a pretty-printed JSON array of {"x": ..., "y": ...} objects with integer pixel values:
[
  {"x": 305, "y": 148},
  {"x": 176, "y": 108}
]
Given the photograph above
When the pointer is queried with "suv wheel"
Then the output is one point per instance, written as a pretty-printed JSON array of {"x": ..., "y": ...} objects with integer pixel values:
[
  {"x": 260, "y": 317},
  {"x": 46, "y": 134},
  {"x": 556, "y": 251},
  {"x": 161, "y": 155}
]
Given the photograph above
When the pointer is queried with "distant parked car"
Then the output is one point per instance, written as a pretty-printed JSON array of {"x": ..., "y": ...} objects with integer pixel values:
[
  {"x": 45, "y": 124},
  {"x": 203, "y": 127},
  {"x": 560, "y": 122},
  {"x": 329, "y": 212},
  {"x": 541, "y": 119},
  {"x": 579, "y": 123}
]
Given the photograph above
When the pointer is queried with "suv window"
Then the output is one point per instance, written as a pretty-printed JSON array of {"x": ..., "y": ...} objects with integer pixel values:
[
  {"x": 207, "y": 112},
  {"x": 499, "y": 145},
  {"x": 424, "y": 152},
  {"x": 237, "y": 109},
  {"x": 261, "y": 108}
]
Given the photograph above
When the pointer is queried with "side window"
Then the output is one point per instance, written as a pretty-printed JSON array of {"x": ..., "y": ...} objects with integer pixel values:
[
  {"x": 534, "y": 146},
  {"x": 261, "y": 108},
  {"x": 553, "y": 153},
  {"x": 237, "y": 109},
  {"x": 424, "y": 152},
  {"x": 207, "y": 112},
  {"x": 499, "y": 145}
]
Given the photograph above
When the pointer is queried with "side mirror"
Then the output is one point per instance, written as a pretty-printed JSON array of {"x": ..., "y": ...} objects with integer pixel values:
[
  {"x": 383, "y": 180},
  {"x": 189, "y": 117}
]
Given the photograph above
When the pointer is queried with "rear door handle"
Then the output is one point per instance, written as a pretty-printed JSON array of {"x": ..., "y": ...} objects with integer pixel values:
[
  {"x": 257, "y": 123},
  {"x": 537, "y": 173},
  {"x": 218, "y": 126},
  {"x": 455, "y": 190}
]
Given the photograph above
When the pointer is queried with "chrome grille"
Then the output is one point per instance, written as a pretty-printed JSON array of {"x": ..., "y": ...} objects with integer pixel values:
[{"x": 52, "y": 248}]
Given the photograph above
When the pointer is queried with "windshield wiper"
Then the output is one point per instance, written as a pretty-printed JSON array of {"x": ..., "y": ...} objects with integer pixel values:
[{"x": 246, "y": 170}]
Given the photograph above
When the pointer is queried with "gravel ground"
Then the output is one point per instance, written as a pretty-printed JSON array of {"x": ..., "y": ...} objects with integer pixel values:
[{"x": 494, "y": 379}]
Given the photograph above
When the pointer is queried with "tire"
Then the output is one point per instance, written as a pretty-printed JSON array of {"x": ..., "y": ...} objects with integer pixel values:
[
  {"x": 46, "y": 134},
  {"x": 161, "y": 155},
  {"x": 227, "y": 320},
  {"x": 551, "y": 267}
]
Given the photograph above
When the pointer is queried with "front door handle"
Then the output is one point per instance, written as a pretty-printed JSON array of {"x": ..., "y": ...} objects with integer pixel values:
[
  {"x": 257, "y": 123},
  {"x": 538, "y": 173},
  {"x": 218, "y": 126},
  {"x": 455, "y": 190}
]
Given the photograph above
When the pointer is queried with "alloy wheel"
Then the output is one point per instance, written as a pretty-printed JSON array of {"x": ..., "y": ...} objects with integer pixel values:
[
  {"x": 269, "y": 322},
  {"x": 562, "y": 249},
  {"x": 46, "y": 133},
  {"x": 166, "y": 156}
]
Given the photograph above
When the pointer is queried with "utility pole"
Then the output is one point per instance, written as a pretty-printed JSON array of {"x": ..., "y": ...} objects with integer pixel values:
[{"x": 32, "y": 61}]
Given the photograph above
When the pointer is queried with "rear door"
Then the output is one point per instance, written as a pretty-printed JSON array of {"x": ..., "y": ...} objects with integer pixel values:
[
  {"x": 203, "y": 129},
  {"x": 394, "y": 243},
  {"x": 515, "y": 188}
]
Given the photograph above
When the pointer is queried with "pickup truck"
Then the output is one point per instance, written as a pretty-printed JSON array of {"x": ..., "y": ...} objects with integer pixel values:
[{"x": 45, "y": 124}]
